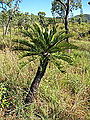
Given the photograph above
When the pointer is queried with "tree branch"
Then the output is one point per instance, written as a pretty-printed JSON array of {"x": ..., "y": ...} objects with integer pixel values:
[
  {"x": 2, "y": 6},
  {"x": 61, "y": 3}
]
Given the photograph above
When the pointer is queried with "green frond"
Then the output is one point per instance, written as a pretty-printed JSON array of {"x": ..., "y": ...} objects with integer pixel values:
[
  {"x": 58, "y": 37},
  {"x": 71, "y": 46},
  {"x": 45, "y": 41},
  {"x": 25, "y": 42},
  {"x": 40, "y": 34},
  {"x": 20, "y": 48},
  {"x": 27, "y": 34},
  {"x": 46, "y": 37},
  {"x": 58, "y": 65},
  {"x": 50, "y": 34},
  {"x": 37, "y": 28},
  {"x": 66, "y": 45},
  {"x": 62, "y": 47},
  {"x": 64, "y": 58},
  {"x": 39, "y": 43},
  {"x": 36, "y": 35},
  {"x": 54, "y": 30},
  {"x": 29, "y": 54}
]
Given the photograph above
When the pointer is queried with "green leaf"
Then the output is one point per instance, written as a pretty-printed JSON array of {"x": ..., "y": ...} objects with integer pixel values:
[
  {"x": 62, "y": 47},
  {"x": 46, "y": 37},
  {"x": 64, "y": 58},
  {"x": 57, "y": 36},
  {"x": 29, "y": 54},
  {"x": 37, "y": 28},
  {"x": 25, "y": 42},
  {"x": 27, "y": 34},
  {"x": 58, "y": 65},
  {"x": 21, "y": 48}
]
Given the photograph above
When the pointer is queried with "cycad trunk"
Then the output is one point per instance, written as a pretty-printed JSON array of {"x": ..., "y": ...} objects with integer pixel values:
[{"x": 35, "y": 84}]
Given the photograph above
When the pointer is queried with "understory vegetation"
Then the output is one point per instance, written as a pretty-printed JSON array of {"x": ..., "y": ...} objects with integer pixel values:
[
  {"x": 62, "y": 95},
  {"x": 44, "y": 66}
]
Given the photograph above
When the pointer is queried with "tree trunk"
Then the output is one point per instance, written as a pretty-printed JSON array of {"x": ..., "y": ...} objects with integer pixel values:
[
  {"x": 3, "y": 27},
  {"x": 10, "y": 33},
  {"x": 7, "y": 25},
  {"x": 3, "y": 31},
  {"x": 35, "y": 84},
  {"x": 66, "y": 19}
]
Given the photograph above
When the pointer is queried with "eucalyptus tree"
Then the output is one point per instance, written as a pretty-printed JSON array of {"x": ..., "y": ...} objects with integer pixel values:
[
  {"x": 46, "y": 45},
  {"x": 4, "y": 4},
  {"x": 10, "y": 15},
  {"x": 7, "y": 4},
  {"x": 9, "y": 9},
  {"x": 63, "y": 8}
]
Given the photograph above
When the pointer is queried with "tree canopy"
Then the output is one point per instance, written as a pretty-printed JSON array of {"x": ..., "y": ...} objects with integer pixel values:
[
  {"x": 42, "y": 14},
  {"x": 59, "y": 6},
  {"x": 5, "y": 4}
]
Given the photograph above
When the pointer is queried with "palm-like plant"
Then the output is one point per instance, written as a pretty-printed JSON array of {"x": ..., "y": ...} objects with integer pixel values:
[{"x": 48, "y": 44}]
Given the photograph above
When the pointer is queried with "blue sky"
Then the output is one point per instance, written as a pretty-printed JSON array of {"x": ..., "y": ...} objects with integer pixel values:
[{"x": 34, "y": 6}]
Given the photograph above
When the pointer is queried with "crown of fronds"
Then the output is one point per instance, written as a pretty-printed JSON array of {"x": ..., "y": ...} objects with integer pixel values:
[{"x": 44, "y": 41}]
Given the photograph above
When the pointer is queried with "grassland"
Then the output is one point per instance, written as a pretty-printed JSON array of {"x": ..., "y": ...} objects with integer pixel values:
[{"x": 61, "y": 96}]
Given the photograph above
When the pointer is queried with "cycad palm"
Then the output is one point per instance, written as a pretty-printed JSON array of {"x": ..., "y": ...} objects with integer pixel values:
[{"x": 47, "y": 44}]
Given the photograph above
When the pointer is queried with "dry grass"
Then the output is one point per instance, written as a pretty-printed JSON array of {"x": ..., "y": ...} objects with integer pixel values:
[{"x": 61, "y": 96}]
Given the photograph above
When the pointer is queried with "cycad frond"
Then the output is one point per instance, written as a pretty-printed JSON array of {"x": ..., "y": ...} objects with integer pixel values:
[
  {"x": 46, "y": 37},
  {"x": 58, "y": 65},
  {"x": 62, "y": 47},
  {"x": 25, "y": 42},
  {"x": 40, "y": 35},
  {"x": 45, "y": 42},
  {"x": 64, "y": 57},
  {"x": 36, "y": 35},
  {"x": 38, "y": 43},
  {"x": 37, "y": 28},
  {"x": 27, "y": 34},
  {"x": 60, "y": 36},
  {"x": 57, "y": 35},
  {"x": 20, "y": 48},
  {"x": 29, "y": 54}
]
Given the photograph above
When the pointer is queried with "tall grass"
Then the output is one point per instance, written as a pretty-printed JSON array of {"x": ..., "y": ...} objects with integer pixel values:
[{"x": 61, "y": 96}]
